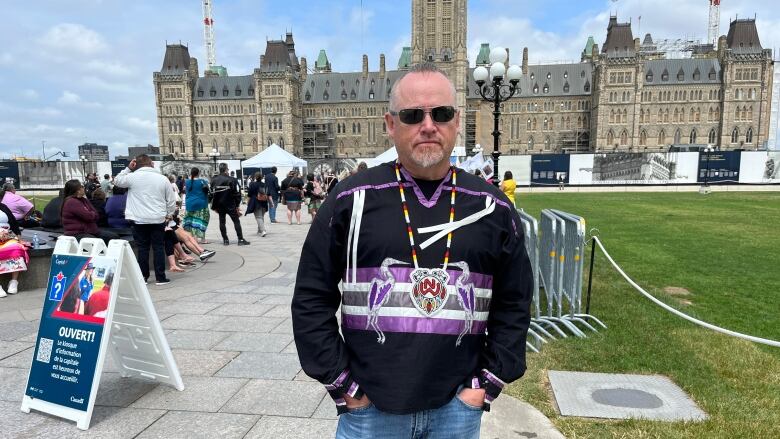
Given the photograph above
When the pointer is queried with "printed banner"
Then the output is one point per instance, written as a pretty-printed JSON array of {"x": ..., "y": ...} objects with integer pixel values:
[
  {"x": 70, "y": 330},
  {"x": 719, "y": 166},
  {"x": 9, "y": 173},
  {"x": 550, "y": 169}
]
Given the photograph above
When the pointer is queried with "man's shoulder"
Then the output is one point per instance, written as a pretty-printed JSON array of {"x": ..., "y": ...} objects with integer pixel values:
[{"x": 369, "y": 178}]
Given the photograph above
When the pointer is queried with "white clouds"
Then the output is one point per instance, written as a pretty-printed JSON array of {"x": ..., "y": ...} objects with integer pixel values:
[
  {"x": 6, "y": 59},
  {"x": 69, "y": 98},
  {"x": 70, "y": 38},
  {"x": 110, "y": 68},
  {"x": 141, "y": 124},
  {"x": 30, "y": 94}
]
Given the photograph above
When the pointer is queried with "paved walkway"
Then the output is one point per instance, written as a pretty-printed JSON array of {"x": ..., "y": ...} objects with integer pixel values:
[{"x": 228, "y": 324}]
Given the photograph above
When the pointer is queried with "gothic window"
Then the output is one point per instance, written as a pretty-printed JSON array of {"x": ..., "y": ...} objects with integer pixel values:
[
  {"x": 325, "y": 95},
  {"x": 200, "y": 147},
  {"x": 532, "y": 76},
  {"x": 240, "y": 145},
  {"x": 528, "y": 124},
  {"x": 237, "y": 91},
  {"x": 625, "y": 116},
  {"x": 354, "y": 128},
  {"x": 566, "y": 87},
  {"x": 531, "y": 142},
  {"x": 343, "y": 94},
  {"x": 353, "y": 95},
  {"x": 271, "y": 124},
  {"x": 536, "y": 88},
  {"x": 371, "y": 94},
  {"x": 582, "y": 74},
  {"x": 547, "y": 143},
  {"x": 546, "y": 88},
  {"x": 624, "y": 138},
  {"x": 200, "y": 92},
  {"x": 170, "y": 126},
  {"x": 643, "y": 138},
  {"x": 662, "y": 138},
  {"x": 225, "y": 91},
  {"x": 711, "y": 137},
  {"x": 696, "y": 75},
  {"x": 735, "y": 135},
  {"x": 548, "y": 75},
  {"x": 680, "y": 75},
  {"x": 610, "y": 137},
  {"x": 677, "y": 136},
  {"x": 649, "y": 76},
  {"x": 565, "y": 75},
  {"x": 181, "y": 146},
  {"x": 665, "y": 75},
  {"x": 358, "y": 127},
  {"x": 308, "y": 96},
  {"x": 749, "y": 135},
  {"x": 254, "y": 144},
  {"x": 587, "y": 87},
  {"x": 227, "y": 145},
  {"x": 170, "y": 146},
  {"x": 327, "y": 83},
  {"x": 281, "y": 141},
  {"x": 692, "y": 138}
]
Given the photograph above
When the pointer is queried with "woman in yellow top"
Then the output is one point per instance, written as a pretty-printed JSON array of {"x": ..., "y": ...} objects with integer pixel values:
[{"x": 508, "y": 186}]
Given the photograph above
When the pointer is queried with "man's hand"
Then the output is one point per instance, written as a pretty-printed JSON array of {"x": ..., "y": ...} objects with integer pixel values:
[
  {"x": 472, "y": 397},
  {"x": 131, "y": 165},
  {"x": 353, "y": 403}
]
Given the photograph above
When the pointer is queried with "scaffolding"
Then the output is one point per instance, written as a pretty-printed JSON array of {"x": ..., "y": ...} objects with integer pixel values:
[
  {"x": 471, "y": 129},
  {"x": 318, "y": 138}
]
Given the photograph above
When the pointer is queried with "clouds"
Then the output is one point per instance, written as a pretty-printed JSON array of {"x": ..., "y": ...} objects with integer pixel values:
[
  {"x": 68, "y": 98},
  {"x": 72, "y": 39}
]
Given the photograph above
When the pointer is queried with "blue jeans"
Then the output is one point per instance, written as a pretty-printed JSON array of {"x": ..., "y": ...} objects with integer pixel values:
[
  {"x": 272, "y": 208},
  {"x": 454, "y": 420}
]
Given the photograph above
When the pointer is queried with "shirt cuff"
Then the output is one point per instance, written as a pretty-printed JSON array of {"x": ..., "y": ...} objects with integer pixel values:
[
  {"x": 492, "y": 384},
  {"x": 343, "y": 385}
]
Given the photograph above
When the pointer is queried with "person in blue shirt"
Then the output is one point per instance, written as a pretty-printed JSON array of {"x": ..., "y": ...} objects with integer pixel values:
[
  {"x": 196, "y": 220},
  {"x": 85, "y": 284}
]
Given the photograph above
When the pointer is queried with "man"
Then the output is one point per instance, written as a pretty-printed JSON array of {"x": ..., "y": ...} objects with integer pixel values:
[
  {"x": 150, "y": 203},
  {"x": 21, "y": 207},
  {"x": 91, "y": 184},
  {"x": 330, "y": 182},
  {"x": 226, "y": 200},
  {"x": 436, "y": 283},
  {"x": 272, "y": 189},
  {"x": 106, "y": 185}
]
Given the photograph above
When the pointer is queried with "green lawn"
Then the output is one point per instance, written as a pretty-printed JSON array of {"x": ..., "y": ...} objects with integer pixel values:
[{"x": 724, "y": 249}]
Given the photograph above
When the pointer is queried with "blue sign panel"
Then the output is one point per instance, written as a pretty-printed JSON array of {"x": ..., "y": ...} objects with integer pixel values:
[
  {"x": 70, "y": 331},
  {"x": 550, "y": 169},
  {"x": 719, "y": 167}
]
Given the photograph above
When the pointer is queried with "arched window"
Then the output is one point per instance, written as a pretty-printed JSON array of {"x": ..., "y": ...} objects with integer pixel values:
[
  {"x": 711, "y": 137},
  {"x": 545, "y": 124},
  {"x": 625, "y": 116},
  {"x": 354, "y": 128},
  {"x": 531, "y": 143},
  {"x": 281, "y": 141},
  {"x": 677, "y": 136},
  {"x": 643, "y": 138},
  {"x": 200, "y": 147},
  {"x": 269, "y": 141},
  {"x": 227, "y": 145},
  {"x": 254, "y": 144},
  {"x": 692, "y": 138},
  {"x": 662, "y": 138},
  {"x": 610, "y": 138},
  {"x": 547, "y": 143},
  {"x": 170, "y": 146},
  {"x": 214, "y": 144},
  {"x": 624, "y": 138},
  {"x": 749, "y": 135},
  {"x": 528, "y": 124},
  {"x": 240, "y": 145}
]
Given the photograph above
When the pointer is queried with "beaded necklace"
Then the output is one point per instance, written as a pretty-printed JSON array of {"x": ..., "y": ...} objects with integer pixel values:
[{"x": 429, "y": 285}]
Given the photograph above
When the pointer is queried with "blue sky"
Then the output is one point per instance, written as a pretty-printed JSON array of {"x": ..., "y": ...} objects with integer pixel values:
[{"x": 80, "y": 71}]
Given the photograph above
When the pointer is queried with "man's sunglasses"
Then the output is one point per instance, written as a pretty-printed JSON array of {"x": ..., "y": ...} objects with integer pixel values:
[{"x": 411, "y": 116}]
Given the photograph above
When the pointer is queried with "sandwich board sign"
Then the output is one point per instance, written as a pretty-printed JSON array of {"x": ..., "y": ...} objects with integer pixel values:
[{"x": 96, "y": 302}]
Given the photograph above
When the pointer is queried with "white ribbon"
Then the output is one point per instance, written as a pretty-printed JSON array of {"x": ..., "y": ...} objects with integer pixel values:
[
  {"x": 448, "y": 227},
  {"x": 358, "y": 200}
]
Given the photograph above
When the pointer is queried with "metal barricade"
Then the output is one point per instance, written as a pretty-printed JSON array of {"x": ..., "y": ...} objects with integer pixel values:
[
  {"x": 531, "y": 233},
  {"x": 573, "y": 266},
  {"x": 552, "y": 259}
]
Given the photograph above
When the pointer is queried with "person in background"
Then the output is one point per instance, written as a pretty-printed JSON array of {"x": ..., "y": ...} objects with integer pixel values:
[
  {"x": 508, "y": 186},
  {"x": 19, "y": 206},
  {"x": 51, "y": 213},
  {"x": 196, "y": 219},
  {"x": 362, "y": 166},
  {"x": 272, "y": 189},
  {"x": 257, "y": 202},
  {"x": 150, "y": 203},
  {"x": 98, "y": 301},
  {"x": 13, "y": 251},
  {"x": 314, "y": 194},
  {"x": 106, "y": 185},
  {"x": 330, "y": 182},
  {"x": 90, "y": 185},
  {"x": 227, "y": 198},
  {"x": 99, "y": 203},
  {"x": 115, "y": 209},
  {"x": 79, "y": 218},
  {"x": 293, "y": 196}
]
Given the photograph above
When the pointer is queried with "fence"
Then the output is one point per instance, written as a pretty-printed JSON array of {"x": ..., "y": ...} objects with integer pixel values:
[{"x": 556, "y": 248}]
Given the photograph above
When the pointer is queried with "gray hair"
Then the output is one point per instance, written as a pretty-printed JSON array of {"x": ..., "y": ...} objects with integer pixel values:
[{"x": 424, "y": 67}]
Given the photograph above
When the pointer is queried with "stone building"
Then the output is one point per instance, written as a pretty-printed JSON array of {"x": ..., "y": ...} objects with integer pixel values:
[{"x": 628, "y": 96}]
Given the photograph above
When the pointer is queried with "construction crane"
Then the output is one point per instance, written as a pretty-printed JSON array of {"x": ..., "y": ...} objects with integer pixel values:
[
  {"x": 714, "y": 25},
  {"x": 208, "y": 35}
]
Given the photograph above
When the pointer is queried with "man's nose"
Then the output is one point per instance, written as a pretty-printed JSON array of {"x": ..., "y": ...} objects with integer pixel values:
[{"x": 427, "y": 123}]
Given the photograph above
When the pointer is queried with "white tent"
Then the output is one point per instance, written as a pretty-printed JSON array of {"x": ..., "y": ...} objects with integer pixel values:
[
  {"x": 274, "y": 155},
  {"x": 389, "y": 155}
]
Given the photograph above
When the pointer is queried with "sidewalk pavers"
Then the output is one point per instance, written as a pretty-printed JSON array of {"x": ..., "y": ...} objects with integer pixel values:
[{"x": 229, "y": 327}]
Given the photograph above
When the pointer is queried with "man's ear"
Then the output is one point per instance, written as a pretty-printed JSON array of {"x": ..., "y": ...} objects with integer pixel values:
[{"x": 390, "y": 124}]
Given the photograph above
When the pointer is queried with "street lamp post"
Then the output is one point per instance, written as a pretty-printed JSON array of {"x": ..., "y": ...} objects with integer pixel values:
[
  {"x": 493, "y": 88},
  {"x": 706, "y": 189},
  {"x": 214, "y": 154}
]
